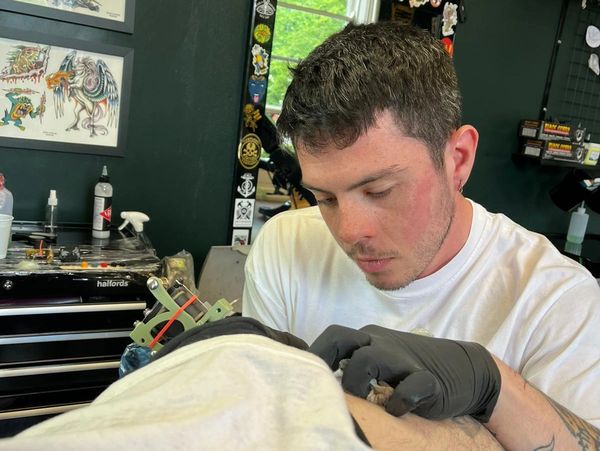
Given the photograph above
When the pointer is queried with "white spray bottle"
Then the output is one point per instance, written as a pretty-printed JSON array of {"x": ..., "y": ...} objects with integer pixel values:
[
  {"x": 51, "y": 223},
  {"x": 135, "y": 218}
]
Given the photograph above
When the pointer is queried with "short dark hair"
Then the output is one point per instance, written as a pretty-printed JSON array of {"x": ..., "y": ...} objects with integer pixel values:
[{"x": 338, "y": 90}]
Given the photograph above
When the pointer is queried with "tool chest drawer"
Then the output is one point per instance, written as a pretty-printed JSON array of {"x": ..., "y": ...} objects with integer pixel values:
[
  {"x": 58, "y": 356},
  {"x": 43, "y": 386},
  {"x": 52, "y": 348},
  {"x": 48, "y": 319},
  {"x": 67, "y": 306}
]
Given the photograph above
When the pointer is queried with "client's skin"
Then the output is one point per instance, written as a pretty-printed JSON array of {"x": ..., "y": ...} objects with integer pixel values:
[{"x": 411, "y": 432}]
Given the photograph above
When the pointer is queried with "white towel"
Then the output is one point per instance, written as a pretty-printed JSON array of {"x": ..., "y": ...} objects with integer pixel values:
[{"x": 232, "y": 392}]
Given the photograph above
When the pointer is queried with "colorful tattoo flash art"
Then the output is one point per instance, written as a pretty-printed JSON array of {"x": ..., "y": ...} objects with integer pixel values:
[
  {"x": 112, "y": 14},
  {"x": 83, "y": 87},
  {"x": 449, "y": 18},
  {"x": 260, "y": 60},
  {"x": 92, "y": 5},
  {"x": 22, "y": 107},
  {"x": 25, "y": 62},
  {"x": 90, "y": 87}
]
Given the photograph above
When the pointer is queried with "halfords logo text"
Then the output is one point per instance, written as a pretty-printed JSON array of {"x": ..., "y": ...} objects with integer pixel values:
[{"x": 112, "y": 283}]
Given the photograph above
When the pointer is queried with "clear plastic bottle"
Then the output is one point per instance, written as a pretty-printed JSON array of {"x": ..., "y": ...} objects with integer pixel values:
[
  {"x": 6, "y": 198},
  {"x": 51, "y": 213},
  {"x": 103, "y": 192},
  {"x": 577, "y": 226}
]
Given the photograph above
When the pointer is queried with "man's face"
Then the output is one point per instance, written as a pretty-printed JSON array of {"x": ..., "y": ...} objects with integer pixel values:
[{"x": 384, "y": 202}]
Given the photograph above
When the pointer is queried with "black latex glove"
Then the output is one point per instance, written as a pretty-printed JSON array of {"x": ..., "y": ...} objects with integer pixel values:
[
  {"x": 432, "y": 377},
  {"x": 230, "y": 326}
]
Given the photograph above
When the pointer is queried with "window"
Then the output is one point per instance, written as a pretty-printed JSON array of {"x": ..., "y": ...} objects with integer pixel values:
[{"x": 300, "y": 26}]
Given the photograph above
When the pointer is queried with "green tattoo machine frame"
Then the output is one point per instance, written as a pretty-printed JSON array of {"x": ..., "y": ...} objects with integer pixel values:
[{"x": 179, "y": 307}]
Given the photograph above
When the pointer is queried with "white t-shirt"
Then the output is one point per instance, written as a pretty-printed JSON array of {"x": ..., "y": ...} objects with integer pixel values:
[
  {"x": 234, "y": 392},
  {"x": 508, "y": 289}
]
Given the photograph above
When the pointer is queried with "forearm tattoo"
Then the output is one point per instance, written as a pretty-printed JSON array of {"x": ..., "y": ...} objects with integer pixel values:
[
  {"x": 588, "y": 437},
  {"x": 548, "y": 447}
]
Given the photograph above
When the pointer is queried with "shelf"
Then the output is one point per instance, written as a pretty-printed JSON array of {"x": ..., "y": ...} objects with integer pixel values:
[{"x": 520, "y": 158}]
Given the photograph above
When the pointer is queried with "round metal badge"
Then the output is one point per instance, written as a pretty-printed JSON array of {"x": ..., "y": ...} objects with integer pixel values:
[{"x": 249, "y": 151}]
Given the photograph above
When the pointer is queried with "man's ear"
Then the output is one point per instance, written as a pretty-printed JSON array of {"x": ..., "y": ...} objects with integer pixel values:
[{"x": 460, "y": 155}]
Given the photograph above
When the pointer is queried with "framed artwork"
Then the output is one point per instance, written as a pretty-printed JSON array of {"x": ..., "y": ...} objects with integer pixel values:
[
  {"x": 63, "y": 94},
  {"x": 110, "y": 14}
]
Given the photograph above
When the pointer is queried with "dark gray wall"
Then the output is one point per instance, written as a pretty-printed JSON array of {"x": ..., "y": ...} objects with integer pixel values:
[
  {"x": 183, "y": 123},
  {"x": 502, "y": 54}
]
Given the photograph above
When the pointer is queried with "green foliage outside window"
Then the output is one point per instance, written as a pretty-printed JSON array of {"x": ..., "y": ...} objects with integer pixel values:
[
  {"x": 296, "y": 34},
  {"x": 331, "y": 6}
]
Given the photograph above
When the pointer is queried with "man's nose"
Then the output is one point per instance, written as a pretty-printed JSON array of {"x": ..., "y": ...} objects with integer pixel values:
[{"x": 354, "y": 223}]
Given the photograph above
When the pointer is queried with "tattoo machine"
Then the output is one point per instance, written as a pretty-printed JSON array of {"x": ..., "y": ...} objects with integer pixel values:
[{"x": 177, "y": 308}]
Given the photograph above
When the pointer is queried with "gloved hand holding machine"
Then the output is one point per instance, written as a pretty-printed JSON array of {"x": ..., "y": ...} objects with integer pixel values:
[{"x": 404, "y": 372}]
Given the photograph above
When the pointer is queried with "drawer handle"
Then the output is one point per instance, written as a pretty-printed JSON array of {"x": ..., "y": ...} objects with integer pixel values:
[
  {"x": 23, "y": 339},
  {"x": 53, "y": 369},
  {"x": 78, "y": 308},
  {"x": 41, "y": 411}
]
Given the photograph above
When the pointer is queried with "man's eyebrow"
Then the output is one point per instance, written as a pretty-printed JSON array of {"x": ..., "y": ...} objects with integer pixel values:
[{"x": 384, "y": 173}]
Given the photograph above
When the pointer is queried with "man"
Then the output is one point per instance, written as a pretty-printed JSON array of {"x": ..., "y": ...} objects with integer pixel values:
[{"x": 374, "y": 115}]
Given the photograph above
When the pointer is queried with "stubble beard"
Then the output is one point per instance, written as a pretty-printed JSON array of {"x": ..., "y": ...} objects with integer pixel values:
[{"x": 424, "y": 253}]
